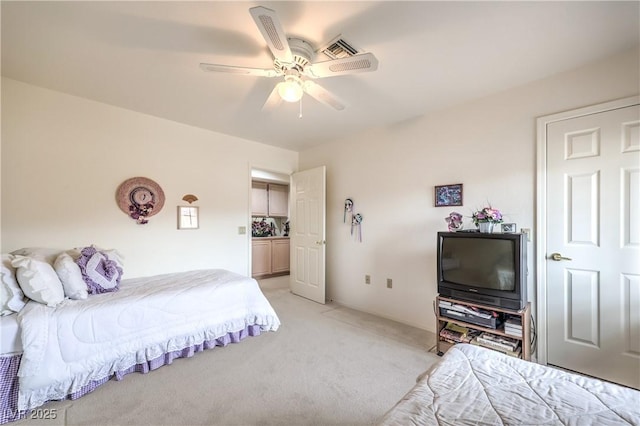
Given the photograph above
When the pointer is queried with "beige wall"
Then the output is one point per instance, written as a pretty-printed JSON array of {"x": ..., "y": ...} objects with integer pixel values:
[
  {"x": 63, "y": 158},
  {"x": 488, "y": 145}
]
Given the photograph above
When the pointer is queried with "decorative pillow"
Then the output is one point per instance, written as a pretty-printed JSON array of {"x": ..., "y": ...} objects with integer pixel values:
[
  {"x": 69, "y": 273},
  {"x": 101, "y": 273},
  {"x": 112, "y": 254},
  {"x": 11, "y": 295},
  {"x": 38, "y": 280},
  {"x": 46, "y": 254}
]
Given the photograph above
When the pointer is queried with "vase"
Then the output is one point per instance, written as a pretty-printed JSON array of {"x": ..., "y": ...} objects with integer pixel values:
[{"x": 486, "y": 227}]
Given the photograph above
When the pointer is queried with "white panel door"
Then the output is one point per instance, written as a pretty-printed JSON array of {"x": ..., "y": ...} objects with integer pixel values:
[
  {"x": 593, "y": 227},
  {"x": 307, "y": 234}
]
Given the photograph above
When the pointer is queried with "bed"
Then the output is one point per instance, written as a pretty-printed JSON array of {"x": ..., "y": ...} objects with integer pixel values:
[
  {"x": 472, "y": 385},
  {"x": 69, "y": 350}
]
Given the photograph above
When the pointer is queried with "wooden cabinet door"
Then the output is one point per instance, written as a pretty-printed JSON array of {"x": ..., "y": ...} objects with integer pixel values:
[
  {"x": 278, "y": 200},
  {"x": 279, "y": 255},
  {"x": 259, "y": 199},
  {"x": 260, "y": 257}
]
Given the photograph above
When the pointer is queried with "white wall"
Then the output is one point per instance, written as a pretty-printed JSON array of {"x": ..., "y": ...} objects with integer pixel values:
[
  {"x": 63, "y": 158},
  {"x": 488, "y": 145}
]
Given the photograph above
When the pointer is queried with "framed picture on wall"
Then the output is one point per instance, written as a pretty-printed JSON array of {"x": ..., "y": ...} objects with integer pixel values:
[
  {"x": 448, "y": 195},
  {"x": 187, "y": 217}
]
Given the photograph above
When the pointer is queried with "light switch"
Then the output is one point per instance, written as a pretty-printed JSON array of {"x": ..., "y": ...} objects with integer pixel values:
[{"x": 242, "y": 230}]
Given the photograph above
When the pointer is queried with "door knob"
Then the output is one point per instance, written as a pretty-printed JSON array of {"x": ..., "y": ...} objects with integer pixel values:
[
  {"x": 320, "y": 242},
  {"x": 558, "y": 257}
]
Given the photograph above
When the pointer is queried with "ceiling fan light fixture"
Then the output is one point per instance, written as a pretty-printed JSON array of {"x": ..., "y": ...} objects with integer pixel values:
[
  {"x": 294, "y": 59},
  {"x": 291, "y": 89}
]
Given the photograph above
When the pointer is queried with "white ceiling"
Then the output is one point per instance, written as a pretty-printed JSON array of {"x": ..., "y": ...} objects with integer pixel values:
[{"x": 144, "y": 56}]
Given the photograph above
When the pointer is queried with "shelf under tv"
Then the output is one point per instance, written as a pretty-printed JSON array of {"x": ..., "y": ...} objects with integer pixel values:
[{"x": 524, "y": 314}]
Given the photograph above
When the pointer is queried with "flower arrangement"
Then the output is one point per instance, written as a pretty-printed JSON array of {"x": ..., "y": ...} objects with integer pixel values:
[
  {"x": 261, "y": 228},
  {"x": 487, "y": 214}
]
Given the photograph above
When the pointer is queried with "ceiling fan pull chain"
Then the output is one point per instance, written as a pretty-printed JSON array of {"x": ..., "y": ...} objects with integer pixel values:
[{"x": 300, "y": 114}]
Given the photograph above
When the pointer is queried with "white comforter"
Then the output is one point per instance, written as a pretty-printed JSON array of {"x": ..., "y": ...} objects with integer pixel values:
[
  {"x": 79, "y": 341},
  {"x": 472, "y": 386}
]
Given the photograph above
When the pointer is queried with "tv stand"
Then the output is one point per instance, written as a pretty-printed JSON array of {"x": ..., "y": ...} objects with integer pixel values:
[{"x": 523, "y": 314}]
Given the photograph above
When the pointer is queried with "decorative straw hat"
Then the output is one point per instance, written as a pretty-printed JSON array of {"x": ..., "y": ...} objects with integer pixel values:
[{"x": 137, "y": 191}]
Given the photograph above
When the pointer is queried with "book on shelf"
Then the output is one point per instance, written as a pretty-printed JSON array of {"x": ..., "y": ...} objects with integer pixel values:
[
  {"x": 458, "y": 334},
  {"x": 498, "y": 342},
  {"x": 514, "y": 353},
  {"x": 457, "y": 328},
  {"x": 513, "y": 325},
  {"x": 454, "y": 336},
  {"x": 444, "y": 339},
  {"x": 513, "y": 331},
  {"x": 514, "y": 320}
]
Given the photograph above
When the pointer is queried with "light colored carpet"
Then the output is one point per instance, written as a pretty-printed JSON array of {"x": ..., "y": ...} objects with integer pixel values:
[{"x": 326, "y": 365}]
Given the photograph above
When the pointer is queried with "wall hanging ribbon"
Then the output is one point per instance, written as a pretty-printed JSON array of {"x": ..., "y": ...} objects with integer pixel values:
[
  {"x": 348, "y": 207},
  {"x": 356, "y": 226}
]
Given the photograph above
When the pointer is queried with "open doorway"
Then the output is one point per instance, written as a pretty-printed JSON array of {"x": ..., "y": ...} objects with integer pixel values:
[{"x": 270, "y": 249}]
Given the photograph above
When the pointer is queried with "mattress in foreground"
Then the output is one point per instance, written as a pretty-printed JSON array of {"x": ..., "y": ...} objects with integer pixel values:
[
  {"x": 473, "y": 385},
  {"x": 82, "y": 341}
]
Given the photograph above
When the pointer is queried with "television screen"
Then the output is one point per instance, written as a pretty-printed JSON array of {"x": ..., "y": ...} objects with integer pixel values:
[{"x": 479, "y": 262}]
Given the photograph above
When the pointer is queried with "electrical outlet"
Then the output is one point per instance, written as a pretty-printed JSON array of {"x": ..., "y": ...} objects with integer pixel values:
[
  {"x": 367, "y": 279},
  {"x": 526, "y": 231},
  {"x": 389, "y": 283}
]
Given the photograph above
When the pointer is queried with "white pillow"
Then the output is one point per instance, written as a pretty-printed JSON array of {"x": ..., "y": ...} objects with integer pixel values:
[
  {"x": 11, "y": 295},
  {"x": 69, "y": 273},
  {"x": 49, "y": 255},
  {"x": 38, "y": 280}
]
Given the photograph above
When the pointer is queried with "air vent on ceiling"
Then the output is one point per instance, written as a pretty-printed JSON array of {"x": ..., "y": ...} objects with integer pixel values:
[{"x": 338, "y": 48}]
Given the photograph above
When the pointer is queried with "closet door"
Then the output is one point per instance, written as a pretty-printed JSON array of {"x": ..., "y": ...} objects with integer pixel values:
[{"x": 593, "y": 244}]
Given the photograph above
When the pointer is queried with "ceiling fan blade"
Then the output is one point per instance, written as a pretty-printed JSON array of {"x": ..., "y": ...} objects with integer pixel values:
[
  {"x": 260, "y": 72},
  {"x": 362, "y": 62},
  {"x": 271, "y": 29},
  {"x": 274, "y": 99},
  {"x": 321, "y": 94}
]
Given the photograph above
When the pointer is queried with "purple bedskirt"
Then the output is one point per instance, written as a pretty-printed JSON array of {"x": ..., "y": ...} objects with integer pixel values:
[{"x": 9, "y": 371}]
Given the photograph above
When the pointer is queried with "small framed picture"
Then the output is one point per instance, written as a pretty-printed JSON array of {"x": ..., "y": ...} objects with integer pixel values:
[
  {"x": 448, "y": 195},
  {"x": 188, "y": 217},
  {"x": 508, "y": 228}
]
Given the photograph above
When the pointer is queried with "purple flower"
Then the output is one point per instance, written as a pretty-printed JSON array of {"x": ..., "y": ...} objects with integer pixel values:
[
  {"x": 140, "y": 212},
  {"x": 487, "y": 214}
]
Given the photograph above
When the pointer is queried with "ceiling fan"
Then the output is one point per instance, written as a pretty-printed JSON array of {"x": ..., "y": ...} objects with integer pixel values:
[{"x": 293, "y": 62}]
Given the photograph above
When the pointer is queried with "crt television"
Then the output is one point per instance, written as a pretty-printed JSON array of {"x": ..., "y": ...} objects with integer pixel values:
[{"x": 488, "y": 269}]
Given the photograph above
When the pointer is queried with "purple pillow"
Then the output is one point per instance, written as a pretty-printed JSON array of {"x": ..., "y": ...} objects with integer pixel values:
[{"x": 101, "y": 274}]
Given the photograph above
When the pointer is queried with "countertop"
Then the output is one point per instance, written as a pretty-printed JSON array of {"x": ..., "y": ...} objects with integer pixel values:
[{"x": 277, "y": 237}]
